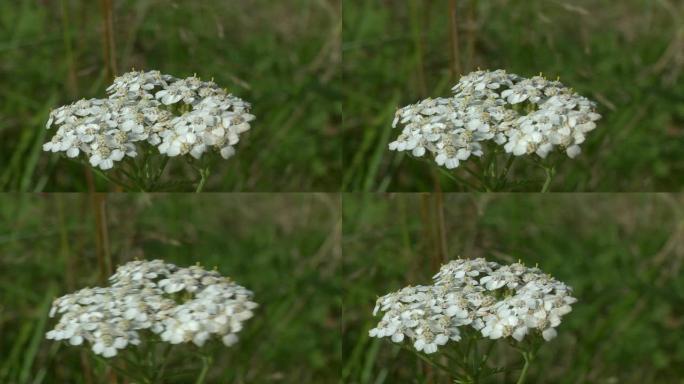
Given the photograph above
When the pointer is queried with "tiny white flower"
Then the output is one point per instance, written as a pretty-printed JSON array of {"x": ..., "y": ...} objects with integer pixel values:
[
  {"x": 140, "y": 297},
  {"x": 229, "y": 339},
  {"x": 523, "y": 115},
  {"x": 497, "y": 301},
  {"x": 211, "y": 120},
  {"x": 573, "y": 151},
  {"x": 227, "y": 152},
  {"x": 549, "y": 334}
]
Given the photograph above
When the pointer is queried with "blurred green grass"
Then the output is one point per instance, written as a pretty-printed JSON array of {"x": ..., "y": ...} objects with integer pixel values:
[
  {"x": 283, "y": 57},
  {"x": 285, "y": 248},
  {"x": 622, "y": 254},
  {"x": 627, "y": 55}
]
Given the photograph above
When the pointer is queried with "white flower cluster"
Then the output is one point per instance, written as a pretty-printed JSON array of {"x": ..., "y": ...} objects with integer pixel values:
[
  {"x": 178, "y": 304},
  {"x": 523, "y": 115},
  {"x": 496, "y": 300},
  {"x": 178, "y": 116}
]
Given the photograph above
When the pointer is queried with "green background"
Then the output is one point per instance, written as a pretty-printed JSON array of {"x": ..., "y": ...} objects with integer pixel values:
[
  {"x": 622, "y": 254},
  {"x": 627, "y": 55},
  {"x": 284, "y": 248},
  {"x": 282, "y": 56}
]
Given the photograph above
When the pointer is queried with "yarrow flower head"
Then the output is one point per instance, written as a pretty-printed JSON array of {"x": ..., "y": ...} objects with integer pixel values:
[
  {"x": 525, "y": 116},
  {"x": 177, "y": 116},
  {"x": 178, "y": 304},
  {"x": 498, "y": 301}
]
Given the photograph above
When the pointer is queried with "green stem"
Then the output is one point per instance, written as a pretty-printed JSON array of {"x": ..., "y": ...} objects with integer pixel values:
[
  {"x": 206, "y": 363},
  {"x": 550, "y": 172},
  {"x": 133, "y": 177},
  {"x": 165, "y": 360},
  {"x": 459, "y": 180},
  {"x": 475, "y": 360},
  {"x": 434, "y": 363},
  {"x": 491, "y": 172},
  {"x": 456, "y": 360},
  {"x": 110, "y": 179},
  {"x": 204, "y": 175},
  {"x": 523, "y": 374},
  {"x": 484, "y": 185},
  {"x": 501, "y": 180},
  {"x": 140, "y": 362},
  {"x": 162, "y": 167},
  {"x": 147, "y": 177},
  {"x": 128, "y": 373},
  {"x": 488, "y": 352},
  {"x": 482, "y": 362}
]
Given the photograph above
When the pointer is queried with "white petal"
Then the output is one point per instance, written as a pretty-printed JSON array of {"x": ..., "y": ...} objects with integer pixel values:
[
  {"x": 227, "y": 152},
  {"x": 229, "y": 339},
  {"x": 549, "y": 334},
  {"x": 72, "y": 152},
  {"x": 117, "y": 155},
  {"x": 106, "y": 164},
  {"x": 76, "y": 340},
  {"x": 573, "y": 151}
]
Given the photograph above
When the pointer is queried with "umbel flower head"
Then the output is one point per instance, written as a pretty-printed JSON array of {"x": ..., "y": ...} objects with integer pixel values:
[
  {"x": 179, "y": 305},
  {"x": 177, "y": 116},
  {"x": 525, "y": 116},
  {"x": 498, "y": 301}
]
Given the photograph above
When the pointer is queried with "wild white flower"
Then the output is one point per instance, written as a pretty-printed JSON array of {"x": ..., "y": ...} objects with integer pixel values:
[
  {"x": 525, "y": 116},
  {"x": 496, "y": 300},
  {"x": 177, "y": 116},
  {"x": 178, "y": 304}
]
